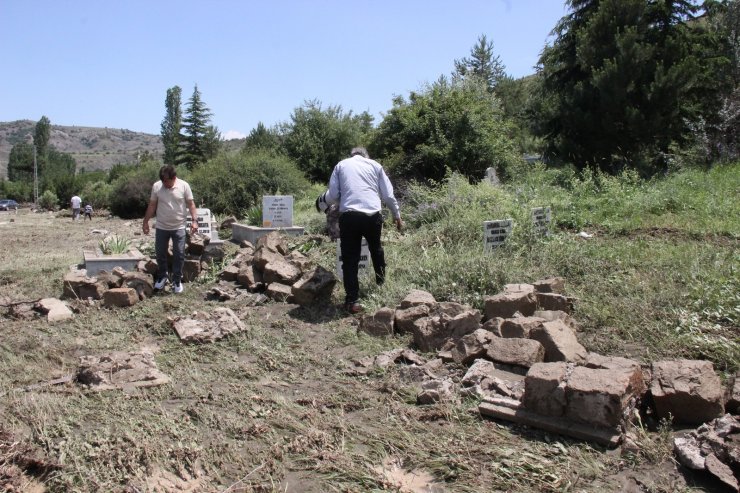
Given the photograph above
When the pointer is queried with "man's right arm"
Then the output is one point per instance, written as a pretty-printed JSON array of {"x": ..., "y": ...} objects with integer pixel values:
[{"x": 150, "y": 211}]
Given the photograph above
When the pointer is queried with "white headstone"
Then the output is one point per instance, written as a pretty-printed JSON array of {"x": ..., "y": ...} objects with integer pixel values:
[
  {"x": 277, "y": 211},
  {"x": 495, "y": 233},
  {"x": 364, "y": 264},
  {"x": 491, "y": 177},
  {"x": 542, "y": 217},
  {"x": 204, "y": 222}
]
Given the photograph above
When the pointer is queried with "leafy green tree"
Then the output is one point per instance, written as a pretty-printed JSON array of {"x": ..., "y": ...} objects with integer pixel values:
[
  {"x": 201, "y": 140},
  {"x": 482, "y": 64},
  {"x": 232, "y": 183},
  {"x": 318, "y": 138},
  {"x": 450, "y": 125},
  {"x": 171, "y": 124},
  {"x": 131, "y": 190},
  {"x": 262, "y": 138},
  {"x": 41, "y": 135},
  {"x": 623, "y": 82},
  {"x": 49, "y": 200},
  {"x": 20, "y": 163}
]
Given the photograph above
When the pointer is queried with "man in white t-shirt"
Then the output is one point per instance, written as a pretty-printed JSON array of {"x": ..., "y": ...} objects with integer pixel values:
[
  {"x": 75, "y": 202},
  {"x": 171, "y": 200}
]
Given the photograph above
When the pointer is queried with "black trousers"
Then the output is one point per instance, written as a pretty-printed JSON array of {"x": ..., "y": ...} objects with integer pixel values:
[{"x": 353, "y": 226}]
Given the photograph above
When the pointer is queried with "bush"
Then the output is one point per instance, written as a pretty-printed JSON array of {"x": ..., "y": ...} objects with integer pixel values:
[
  {"x": 49, "y": 200},
  {"x": 16, "y": 190},
  {"x": 98, "y": 194},
  {"x": 130, "y": 194},
  {"x": 233, "y": 183}
]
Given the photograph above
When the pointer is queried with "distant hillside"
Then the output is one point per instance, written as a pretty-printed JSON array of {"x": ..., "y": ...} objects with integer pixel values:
[{"x": 92, "y": 147}]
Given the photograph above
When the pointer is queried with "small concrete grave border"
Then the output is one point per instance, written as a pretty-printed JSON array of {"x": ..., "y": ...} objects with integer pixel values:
[{"x": 96, "y": 261}]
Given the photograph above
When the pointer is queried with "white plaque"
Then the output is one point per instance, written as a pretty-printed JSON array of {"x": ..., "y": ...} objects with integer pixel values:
[
  {"x": 204, "y": 221},
  {"x": 277, "y": 211},
  {"x": 363, "y": 266},
  {"x": 542, "y": 217},
  {"x": 495, "y": 233}
]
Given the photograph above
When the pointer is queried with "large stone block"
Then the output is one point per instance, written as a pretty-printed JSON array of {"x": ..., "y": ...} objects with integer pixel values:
[
  {"x": 544, "y": 389},
  {"x": 77, "y": 285},
  {"x": 506, "y": 305},
  {"x": 430, "y": 333},
  {"x": 378, "y": 324},
  {"x": 250, "y": 277},
  {"x": 555, "y": 302},
  {"x": 560, "y": 342},
  {"x": 471, "y": 346},
  {"x": 601, "y": 397},
  {"x": 519, "y": 326},
  {"x": 281, "y": 270},
  {"x": 417, "y": 297},
  {"x": 520, "y": 352},
  {"x": 550, "y": 285},
  {"x": 317, "y": 284},
  {"x": 405, "y": 317},
  {"x": 55, "y": 310},
  {"x": 688, "y": 390},
  {"x": 274, "y": 242},
  {"x": 120, "y": 297},
  {"x": 279, "y": 292},
  {"x": 464, "y": 323}
]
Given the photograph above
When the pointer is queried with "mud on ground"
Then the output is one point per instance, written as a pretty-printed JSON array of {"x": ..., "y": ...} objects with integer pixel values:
[{"x": 270, "y": 409}]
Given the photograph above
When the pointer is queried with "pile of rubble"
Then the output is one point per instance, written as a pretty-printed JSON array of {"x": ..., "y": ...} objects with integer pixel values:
[
  {"x": 282, "y": 275},
  {"x": 524, "y": 361}
]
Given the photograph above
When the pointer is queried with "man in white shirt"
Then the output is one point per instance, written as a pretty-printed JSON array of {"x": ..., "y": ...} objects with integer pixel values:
[
  {"x": 171, "y": 199},
  {"x": 359, "y": 185},
  {"x": 75, "y": 202}
]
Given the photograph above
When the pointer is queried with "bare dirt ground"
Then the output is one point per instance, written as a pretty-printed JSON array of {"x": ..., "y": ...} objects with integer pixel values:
[{"x": 271, "y": 409}]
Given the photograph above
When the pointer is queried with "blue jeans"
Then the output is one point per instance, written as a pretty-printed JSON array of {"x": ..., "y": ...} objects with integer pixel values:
[{"x": 161, "y": 242}]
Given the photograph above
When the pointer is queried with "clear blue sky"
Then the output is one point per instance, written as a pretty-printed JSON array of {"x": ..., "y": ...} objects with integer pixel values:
[{"x": 109, "y": 63}]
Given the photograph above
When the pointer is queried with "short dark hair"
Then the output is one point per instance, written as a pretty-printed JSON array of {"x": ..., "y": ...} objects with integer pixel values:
[
  {"x": 167, "y": 172},
  {"x": 359, "y": 151}
]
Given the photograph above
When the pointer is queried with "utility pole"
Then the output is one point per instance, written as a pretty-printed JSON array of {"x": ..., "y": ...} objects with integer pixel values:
[{"x": 35, "y": 179}]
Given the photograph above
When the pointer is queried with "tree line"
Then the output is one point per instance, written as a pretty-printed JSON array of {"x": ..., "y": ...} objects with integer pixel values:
[{"x": 645, "y": 85}]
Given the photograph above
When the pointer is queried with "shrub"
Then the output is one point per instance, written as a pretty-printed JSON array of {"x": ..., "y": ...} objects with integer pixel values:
[
  {"x": 130, "y": 194},
  {"x": 98, "y": 194},
  {"x": 49, "y": 200},
  {"x": 232, "y": 183}
]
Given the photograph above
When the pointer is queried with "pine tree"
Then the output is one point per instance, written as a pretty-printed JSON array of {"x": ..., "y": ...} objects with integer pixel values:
[
  {"x": 171, "y": 124},
  {"x": 482, "y": 64},
  {"x": 201, "y": 140}
]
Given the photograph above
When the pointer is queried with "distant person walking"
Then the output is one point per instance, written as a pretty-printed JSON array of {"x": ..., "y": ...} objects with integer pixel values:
[
  {"x": 170, "y": 201},
  {"x": 359, "y": 184},
  {"x": 75, "y": 202},
  {"x": 88, "y": 212}
]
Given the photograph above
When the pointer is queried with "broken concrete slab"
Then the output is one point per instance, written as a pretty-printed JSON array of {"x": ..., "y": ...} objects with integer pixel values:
[
  {"x": 120, "y": 370},
  {"x": 203, "y": 327},
  {"x": 512, "y": 410},
  {"x": 688, "y": 390}
]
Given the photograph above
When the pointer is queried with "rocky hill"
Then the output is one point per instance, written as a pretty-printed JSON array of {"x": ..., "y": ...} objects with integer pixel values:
[{"x": 92, "y": 147}]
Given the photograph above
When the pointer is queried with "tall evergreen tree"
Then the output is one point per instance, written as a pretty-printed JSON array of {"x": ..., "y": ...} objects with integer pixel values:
[
  {"x": 20, "y": 163},
  {"x": 41, "y": 135},
  {"x": 621, "y": 82},
  {"x": 482, "y": 64},
  {"x": 171, "y": 124},
  {"x": 262, "y": 138},
  {"x": 199, "y": 142}
]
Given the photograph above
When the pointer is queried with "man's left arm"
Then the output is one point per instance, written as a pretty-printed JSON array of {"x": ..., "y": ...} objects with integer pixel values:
[{"x": 193, "y": 216}]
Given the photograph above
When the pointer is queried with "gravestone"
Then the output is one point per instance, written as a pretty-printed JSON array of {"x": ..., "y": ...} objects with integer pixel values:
[
  {"x": 495, "y": 233},
  {"x": 204, "y": 223},
  {"x": 277, "y": 211},
  {"x": 491, "y": 177},
  {"x": 541, "y": 218},
  {"x": 363, "y": 265}
]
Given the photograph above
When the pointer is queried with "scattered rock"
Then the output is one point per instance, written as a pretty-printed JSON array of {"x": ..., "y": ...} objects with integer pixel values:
[
  {"x": 560, "y": 342},
  {"x": 120, "y": 297},
  {"x": 279, "y": 292},
  {"x": 515, "y": 351},
  {"x": 378, "y": 324},
  {"x": 55, "y": 310},
  {"x": 435, "y": 391},
  {"x": 688, "y": 390},
  {"x": 506, "y": 305},
  {"x": 205, "y": 327},
  {"x": 550, "y": 285},
  {"x": 120, "y": 370},
  {"x": 315, "y": 285}
]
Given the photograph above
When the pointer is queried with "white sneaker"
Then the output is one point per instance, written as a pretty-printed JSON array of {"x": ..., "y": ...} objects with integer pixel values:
[
  {"x": 159, "y": 285},
  {"x": 177, "y": 288}
]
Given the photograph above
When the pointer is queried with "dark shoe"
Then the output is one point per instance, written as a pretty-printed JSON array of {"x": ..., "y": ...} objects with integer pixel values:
[{"x": 353, "y": 307}]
